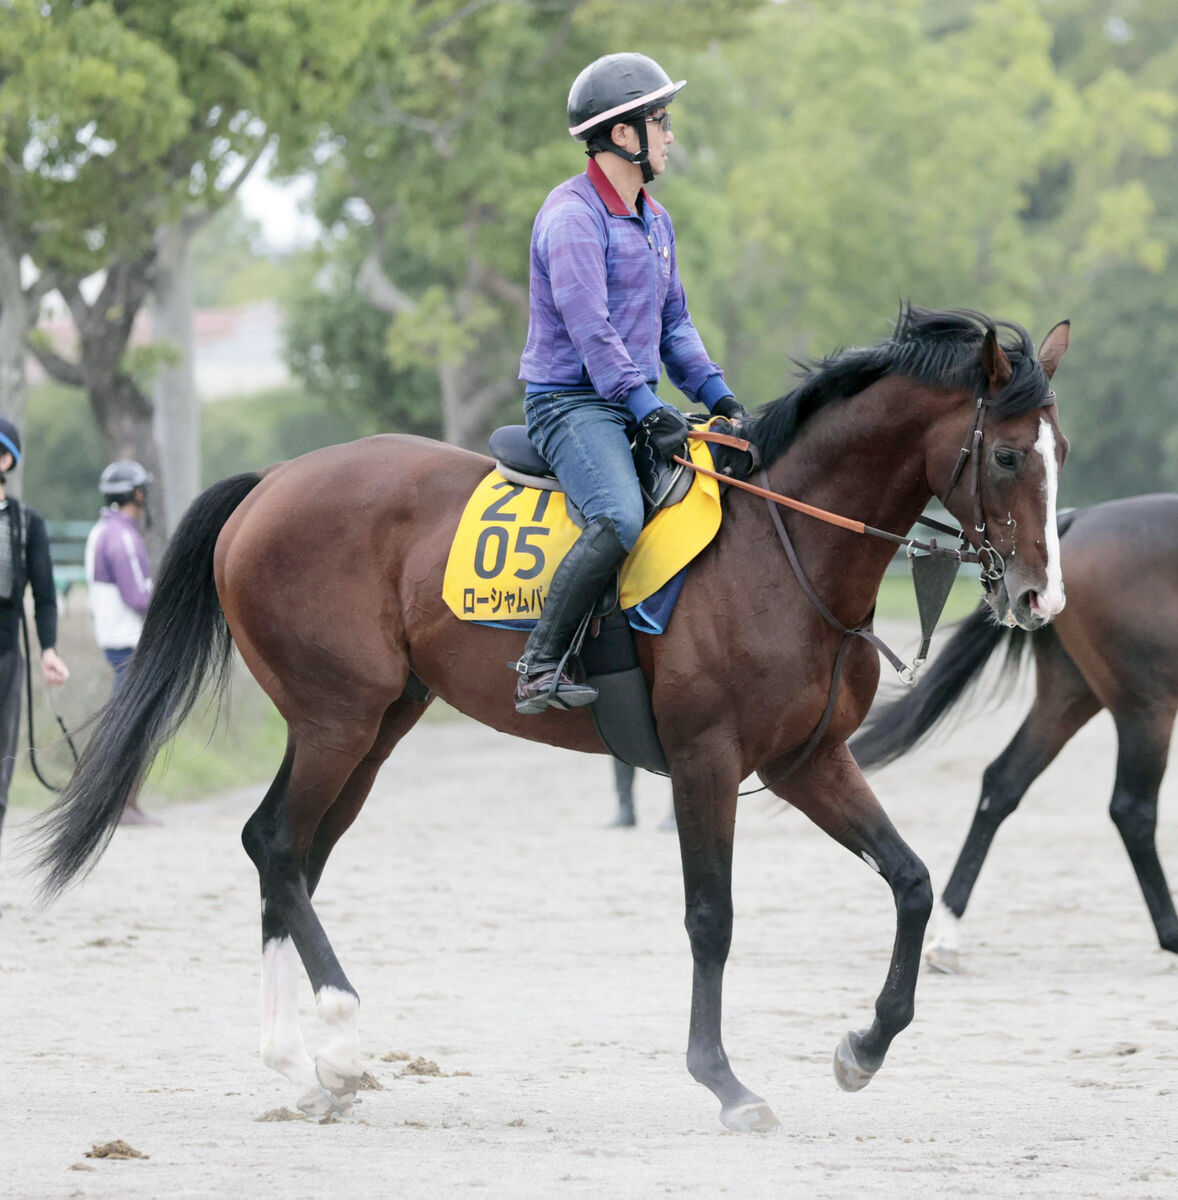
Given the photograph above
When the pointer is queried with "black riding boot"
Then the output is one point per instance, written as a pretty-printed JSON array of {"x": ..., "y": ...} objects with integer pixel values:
[{"x": 576, "y": 584}]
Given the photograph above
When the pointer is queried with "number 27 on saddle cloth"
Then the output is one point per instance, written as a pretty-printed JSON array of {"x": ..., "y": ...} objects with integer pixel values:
[{"x": 511, "y": 539}]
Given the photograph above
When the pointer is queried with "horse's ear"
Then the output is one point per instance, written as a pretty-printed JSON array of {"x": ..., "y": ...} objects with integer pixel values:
[
  {"x": 995, "y": 363},
  {"x": 1054, "y": 346}
]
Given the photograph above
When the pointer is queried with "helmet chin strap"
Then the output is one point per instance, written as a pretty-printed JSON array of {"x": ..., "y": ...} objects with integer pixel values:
[{"x": 642, "y": 158}]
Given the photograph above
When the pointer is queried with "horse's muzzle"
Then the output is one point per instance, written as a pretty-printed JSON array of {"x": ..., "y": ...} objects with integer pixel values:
[{"x": 1025, "y": 607}]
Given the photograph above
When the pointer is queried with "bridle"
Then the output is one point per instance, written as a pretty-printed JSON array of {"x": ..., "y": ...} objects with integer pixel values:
[{"x": 993, "y": 565}]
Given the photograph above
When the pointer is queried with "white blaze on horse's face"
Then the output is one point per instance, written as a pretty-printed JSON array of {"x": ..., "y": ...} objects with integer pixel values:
[{"x": 1049, "y": 602}]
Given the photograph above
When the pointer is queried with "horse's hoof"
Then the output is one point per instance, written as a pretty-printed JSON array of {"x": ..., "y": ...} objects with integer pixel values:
[
  {"x": 755, "y": 1117},
  {"x": 316, "y": 1102},
  {"x": 339, "y": 1083},
  {"x": 942, "y": 960},
  {"x": 850, "y": 1073}
]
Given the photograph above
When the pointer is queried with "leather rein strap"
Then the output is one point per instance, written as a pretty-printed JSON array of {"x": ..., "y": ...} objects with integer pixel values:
[{"x": 822, "y": 514}]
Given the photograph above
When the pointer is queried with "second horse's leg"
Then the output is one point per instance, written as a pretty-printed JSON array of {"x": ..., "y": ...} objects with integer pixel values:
[
  {"x": 1143, "y": 743},
  {"x": 1063, "y": 704},
  {"x": 831, "y": 791},
  {"x": 705, "y": 805}
]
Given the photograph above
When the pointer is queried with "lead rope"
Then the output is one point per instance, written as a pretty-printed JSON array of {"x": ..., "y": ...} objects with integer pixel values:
[{"x": 24, "y": 628}]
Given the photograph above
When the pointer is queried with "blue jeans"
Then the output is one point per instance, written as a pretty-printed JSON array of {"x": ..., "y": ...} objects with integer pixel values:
[
  {"x": 586, "y": 441},
  {"x": 119, "y": 659}
]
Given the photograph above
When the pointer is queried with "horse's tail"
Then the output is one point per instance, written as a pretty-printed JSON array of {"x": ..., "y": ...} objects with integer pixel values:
[
  {"x": 184, "y": 638},
  {"x": 893, "y": 729}
]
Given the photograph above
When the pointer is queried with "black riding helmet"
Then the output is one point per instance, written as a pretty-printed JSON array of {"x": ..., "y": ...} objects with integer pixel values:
[{"x": 619, "y": 87}]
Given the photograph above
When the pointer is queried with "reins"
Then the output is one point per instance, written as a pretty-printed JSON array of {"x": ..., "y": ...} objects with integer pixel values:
[{"x": 860, "y": 527}]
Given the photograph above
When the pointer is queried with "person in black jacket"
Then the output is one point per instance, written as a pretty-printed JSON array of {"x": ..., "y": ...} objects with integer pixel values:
[{"x": 24, "y": 560}]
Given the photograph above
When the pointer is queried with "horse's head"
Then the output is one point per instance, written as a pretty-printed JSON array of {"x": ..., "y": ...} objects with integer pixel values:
[{"x": 997, "y": 472}]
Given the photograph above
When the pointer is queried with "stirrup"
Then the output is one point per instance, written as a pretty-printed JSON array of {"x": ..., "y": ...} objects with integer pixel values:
[{"x": 560, "y": 691}]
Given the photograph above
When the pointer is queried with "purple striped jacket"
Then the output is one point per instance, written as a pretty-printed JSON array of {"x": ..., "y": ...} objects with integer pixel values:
[{"x": 606, "y": 301}]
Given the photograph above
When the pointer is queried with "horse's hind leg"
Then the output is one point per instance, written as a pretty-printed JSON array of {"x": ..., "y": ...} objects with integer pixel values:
[
  {"x": 831, "y": 791},
  {"x": 1143, "y": 744},
  {"x": 1063, "y": 704},
  {"x": 283, "y": 1048}
]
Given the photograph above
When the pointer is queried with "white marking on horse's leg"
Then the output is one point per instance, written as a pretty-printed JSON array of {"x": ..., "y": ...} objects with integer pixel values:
[
  {"x": 948, "y": 928},
  {"x": 338, "y": 1063},
  {"x": 942, "y": 954},
  {"x": 1050, "y": 601},
  {"x": 283, "y": 1049}
]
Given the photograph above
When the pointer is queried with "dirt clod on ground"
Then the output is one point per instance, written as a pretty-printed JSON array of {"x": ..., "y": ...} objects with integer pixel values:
[
  {"x": 281, "y": 1114},
  {"x": 116, "y": 1149},
  {"x": 370, "y": 1083},
  {"x": 423, "y": 1066}
]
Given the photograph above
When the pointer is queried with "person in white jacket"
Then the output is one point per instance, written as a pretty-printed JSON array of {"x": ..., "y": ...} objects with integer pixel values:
[{"x": 118, "y": 577}]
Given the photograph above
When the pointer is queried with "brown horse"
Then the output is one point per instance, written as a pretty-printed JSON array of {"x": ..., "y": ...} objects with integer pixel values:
[
  {"x": 1115, "y": 647},
  {"x": 326, "y": 573}
]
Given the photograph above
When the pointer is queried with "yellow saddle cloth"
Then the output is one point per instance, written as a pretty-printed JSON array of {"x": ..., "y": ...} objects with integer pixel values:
[{"x": 511, "y": 539}]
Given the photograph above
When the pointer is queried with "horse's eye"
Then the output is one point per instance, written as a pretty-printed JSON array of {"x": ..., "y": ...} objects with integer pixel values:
[{"x": 1006, "y": 459}]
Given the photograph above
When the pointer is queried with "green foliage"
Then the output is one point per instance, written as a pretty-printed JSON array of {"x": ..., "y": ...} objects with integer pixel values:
[
  {"x": 338, "y": 346},
  {"x": 252, "y": 432},
  {"x": 63, "y": 455},
  {"x": 230, "y": 264}
]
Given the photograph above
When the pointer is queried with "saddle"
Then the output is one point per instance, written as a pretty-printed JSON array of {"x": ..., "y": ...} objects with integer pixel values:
[{"x": 663, "y": 484}]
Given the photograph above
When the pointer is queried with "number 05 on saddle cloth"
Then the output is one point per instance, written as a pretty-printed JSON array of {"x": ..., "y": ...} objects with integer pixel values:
[{"x": 511, "y": 539}]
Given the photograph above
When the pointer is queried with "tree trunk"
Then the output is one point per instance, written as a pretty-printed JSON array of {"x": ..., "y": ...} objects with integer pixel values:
[
  {"x": 123, "y": 414},
  {"x": 177, "y": 410},
  {"x": 15, "y": 320}
]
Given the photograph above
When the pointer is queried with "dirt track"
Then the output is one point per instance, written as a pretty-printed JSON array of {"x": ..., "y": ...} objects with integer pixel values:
[{"x": 493, "y": 926}]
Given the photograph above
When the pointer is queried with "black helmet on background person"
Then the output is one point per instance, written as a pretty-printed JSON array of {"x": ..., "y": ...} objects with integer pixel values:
[
  {"x": 122, "y": 478},
  {"x": 10, "y": 439},
  {"x": 619, "y": 87}
]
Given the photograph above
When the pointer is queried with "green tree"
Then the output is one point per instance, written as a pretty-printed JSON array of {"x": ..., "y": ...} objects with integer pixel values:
[
  {"x": 125, "y": 127},
  {"x": 870, "y": 154}
]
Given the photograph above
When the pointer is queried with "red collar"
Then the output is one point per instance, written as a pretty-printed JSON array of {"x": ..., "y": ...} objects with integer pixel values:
[{"x": 609, "y": 194}]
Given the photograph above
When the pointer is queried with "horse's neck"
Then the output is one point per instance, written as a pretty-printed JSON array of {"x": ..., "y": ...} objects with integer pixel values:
[{"x": 863, "y": 459}]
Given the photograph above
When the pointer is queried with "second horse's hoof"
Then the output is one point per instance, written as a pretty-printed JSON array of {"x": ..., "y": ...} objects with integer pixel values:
[
  {"x": 756, "y": 1117},
  {"x": 851, "y": 1074},
  {"x": 942, "y": 960}
]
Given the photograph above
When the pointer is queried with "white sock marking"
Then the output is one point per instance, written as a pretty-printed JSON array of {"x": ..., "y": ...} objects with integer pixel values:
[
  {"x": 283, "y": 1048},
  {"x": 339, "y": 1061},
  {"x": 1050, "y": 601},
  {"x": 947, "y": 925}
]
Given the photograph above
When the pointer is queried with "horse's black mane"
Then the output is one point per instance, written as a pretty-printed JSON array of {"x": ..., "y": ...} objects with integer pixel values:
[{"x": 930, "y": 346}]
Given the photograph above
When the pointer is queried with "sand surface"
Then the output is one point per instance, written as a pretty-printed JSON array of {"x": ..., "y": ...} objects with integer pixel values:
[{"x": 494, "y": 927}]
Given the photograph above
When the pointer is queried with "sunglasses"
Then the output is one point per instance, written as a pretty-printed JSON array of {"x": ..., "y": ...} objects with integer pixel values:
[{"x": 663, "y": 122}]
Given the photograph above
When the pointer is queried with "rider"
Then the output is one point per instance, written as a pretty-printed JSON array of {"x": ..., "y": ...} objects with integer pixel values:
[{"x": 606, "y": 306}]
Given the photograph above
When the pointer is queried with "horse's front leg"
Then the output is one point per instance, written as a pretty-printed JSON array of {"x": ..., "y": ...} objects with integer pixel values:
[
  {"x": 831, "y": 791},
  {"x": 705, "y": 806}
]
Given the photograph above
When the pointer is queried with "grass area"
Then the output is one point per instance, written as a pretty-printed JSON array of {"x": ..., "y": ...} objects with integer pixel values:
[{"x": 244, "y": 746}]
